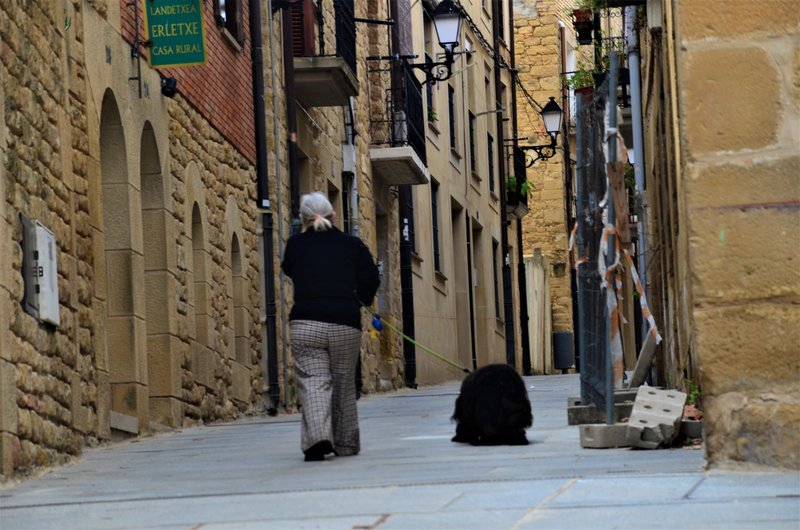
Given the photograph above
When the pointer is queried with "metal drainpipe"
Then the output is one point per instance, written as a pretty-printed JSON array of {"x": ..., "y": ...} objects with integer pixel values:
[
  {"x": 521, "y": 280},
  {"x": 634, "y": 64},
  {"x": 279, "y": 188},
  {"x": 262, "y": 181},
  {"x": 508, "y": 302},
  {"x": 406, "y": 275},
  {"x": 580, "y": 213}
]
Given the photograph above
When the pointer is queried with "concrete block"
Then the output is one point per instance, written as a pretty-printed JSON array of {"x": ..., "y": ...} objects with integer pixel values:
[
  {"x": 599, "y": 436},
  {"x": 583, "y": 414},
  {"x": 625, "y": 395},
  {"x": 656, "y": 417}
]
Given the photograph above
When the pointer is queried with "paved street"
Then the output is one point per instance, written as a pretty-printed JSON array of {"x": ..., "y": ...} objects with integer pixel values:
[{"x": 251, "y": 474}]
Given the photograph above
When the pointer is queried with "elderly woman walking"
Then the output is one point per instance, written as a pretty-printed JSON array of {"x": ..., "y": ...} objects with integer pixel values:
[{"x": 333, "y": 274}]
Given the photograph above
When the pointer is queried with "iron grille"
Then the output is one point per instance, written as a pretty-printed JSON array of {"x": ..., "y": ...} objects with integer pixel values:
[
  {"x": 346, "y": 32},
  {"x": 399, "y": 118}
]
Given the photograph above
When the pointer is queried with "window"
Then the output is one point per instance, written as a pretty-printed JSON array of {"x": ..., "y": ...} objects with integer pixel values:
[
  {"x": 437, "y": 265},
  {"x": 302, "y": 28},
  {"x": 501, "y": 22},
  {"x": 433, "y": 117},
  {"x": 228, "y": 14},
  {"x": 471, "y": 73},
  {"x": 495, "y": 277},
  {"x": 490, "y": 153},
  {"x": 472, "y": 164},
  {"x": 451, "y": 109},
  {"x": 408, "y": 222}
]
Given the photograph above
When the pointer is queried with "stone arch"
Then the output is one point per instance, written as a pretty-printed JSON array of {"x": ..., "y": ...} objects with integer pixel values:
[
  {"x": 124, "y": 276},
  {"x": 237, "y": 291},
  {"x": 198, "y": 265},
  {"x": 242, "y": 362},
  {"x": 163, "y": 357}
]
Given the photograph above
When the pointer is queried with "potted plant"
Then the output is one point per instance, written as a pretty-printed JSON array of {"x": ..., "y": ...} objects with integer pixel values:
[
  {"x": 582, "y": 79},
  {"x": 583, "y": 21},
  {"x": 579, "y": 79},
  {"x": 692, "y": 421},
  {"x": 432, "y": 116},
  {"x": 516, "y": 191}
]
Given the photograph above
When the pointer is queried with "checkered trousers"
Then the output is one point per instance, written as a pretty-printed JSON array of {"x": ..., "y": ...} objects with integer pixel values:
[{"x": 325, "y": 358}]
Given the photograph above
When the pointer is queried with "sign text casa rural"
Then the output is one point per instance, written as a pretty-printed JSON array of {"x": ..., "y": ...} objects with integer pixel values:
[{"x": 175, "y": 30}]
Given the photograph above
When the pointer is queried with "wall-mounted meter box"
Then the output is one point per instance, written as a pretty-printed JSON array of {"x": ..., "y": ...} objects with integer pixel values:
[{"x": 40, "y": 271}]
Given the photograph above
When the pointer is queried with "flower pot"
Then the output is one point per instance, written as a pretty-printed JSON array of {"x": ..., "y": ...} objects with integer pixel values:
[
  {"x": 512, "y": 198},
  {"x": 583, "y": 24}
]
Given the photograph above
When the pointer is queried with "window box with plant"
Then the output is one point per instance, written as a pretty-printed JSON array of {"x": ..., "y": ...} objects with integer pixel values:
[
  {"x": 516, "y": 191},
  {"x": 583, "y": 20}
]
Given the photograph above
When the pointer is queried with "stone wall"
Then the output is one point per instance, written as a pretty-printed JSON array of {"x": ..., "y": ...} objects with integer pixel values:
[
  {"x": 116, "y": 177},
  {"x": 47, "y": 391},
  {"x": 739, "y": 108},
  {"x": 546, "y": 227}
]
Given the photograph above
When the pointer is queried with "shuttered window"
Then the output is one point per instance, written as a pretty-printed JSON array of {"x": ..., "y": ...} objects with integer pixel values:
[{"x": 303, "y": 28}]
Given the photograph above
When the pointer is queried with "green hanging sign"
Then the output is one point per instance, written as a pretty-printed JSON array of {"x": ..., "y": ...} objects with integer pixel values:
[{"x": 174, "y": 29}]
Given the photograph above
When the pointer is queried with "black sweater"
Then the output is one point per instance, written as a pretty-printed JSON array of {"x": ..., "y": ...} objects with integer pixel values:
[{"x": 328, "y": 270}]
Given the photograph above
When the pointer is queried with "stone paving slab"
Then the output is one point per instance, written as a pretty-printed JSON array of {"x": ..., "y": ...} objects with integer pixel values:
[
  {"x": 608, "y": 491},
  {"x": 772, "y": 514},
  {"x": 251, "y": 474}
]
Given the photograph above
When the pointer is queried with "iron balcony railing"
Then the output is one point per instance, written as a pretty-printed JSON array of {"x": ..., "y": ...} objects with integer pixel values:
[
  {"x": 399, "y": 118},
  {"x": 303, "y": 15},
  {"x": 346, "y": 32}
]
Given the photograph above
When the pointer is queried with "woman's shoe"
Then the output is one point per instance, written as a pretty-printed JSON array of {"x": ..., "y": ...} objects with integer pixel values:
[{"x": 317, "y": 452}]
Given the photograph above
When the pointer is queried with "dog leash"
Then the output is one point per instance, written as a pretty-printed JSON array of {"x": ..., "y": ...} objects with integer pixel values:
[{"x": 378, "y": 323}]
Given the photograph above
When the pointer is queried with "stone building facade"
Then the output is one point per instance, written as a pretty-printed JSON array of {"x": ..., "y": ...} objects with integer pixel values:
[
  {"x": 158, "y": 220},
  {"x": 151, "y": 204},
  {"x": 333, "y": 141},
  {"x": 542, "y": 45},
  {"x": 725, "y": 210}
]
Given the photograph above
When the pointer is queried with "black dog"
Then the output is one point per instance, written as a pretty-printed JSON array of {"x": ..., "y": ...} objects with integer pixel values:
[{"x": 493, "y": 408}]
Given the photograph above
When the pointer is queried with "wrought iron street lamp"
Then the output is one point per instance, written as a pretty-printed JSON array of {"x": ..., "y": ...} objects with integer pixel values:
[
  {"x": 447, "y": 20},
  {"x": 552, "y": 115}
]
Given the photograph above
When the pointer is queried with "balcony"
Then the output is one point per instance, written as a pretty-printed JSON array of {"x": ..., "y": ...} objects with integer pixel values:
[
  {"x": 324, "y": 80},
  {"x": 518, "y": 188},
  {"x": 397, "y": 125}
]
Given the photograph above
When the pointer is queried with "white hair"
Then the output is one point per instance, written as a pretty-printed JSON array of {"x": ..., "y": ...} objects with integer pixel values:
[{"x": 316, "y": 211}]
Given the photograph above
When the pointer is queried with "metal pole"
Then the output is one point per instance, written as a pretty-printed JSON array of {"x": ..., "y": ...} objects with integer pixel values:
[
  {"x": 268, "y": 245},
  {"x": 634, "y": 64},
  {"x": 580, "y": 207},
  {"x": 612, "y": 158}
]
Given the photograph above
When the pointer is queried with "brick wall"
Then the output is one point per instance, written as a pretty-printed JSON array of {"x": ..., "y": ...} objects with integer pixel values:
[{"x": 222, "y": 89}]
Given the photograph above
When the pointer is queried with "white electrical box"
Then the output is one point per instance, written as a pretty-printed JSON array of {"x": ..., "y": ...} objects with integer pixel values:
[
  {"x": 40, "y": 271},
  {"x": 349, "y": 159},
  {"x": 47, "y": 275}
]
